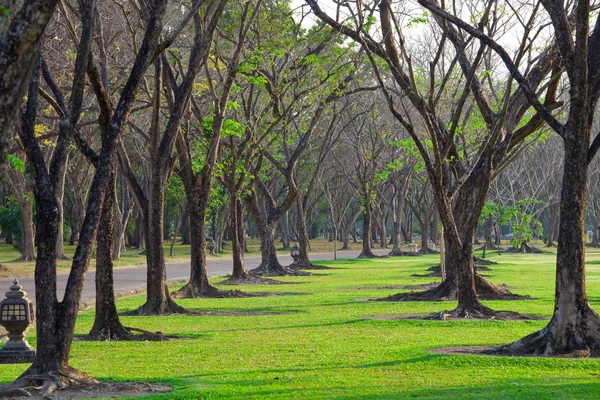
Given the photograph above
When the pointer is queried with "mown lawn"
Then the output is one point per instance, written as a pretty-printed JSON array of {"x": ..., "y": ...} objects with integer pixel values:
[{"x": 312, "y": 341}]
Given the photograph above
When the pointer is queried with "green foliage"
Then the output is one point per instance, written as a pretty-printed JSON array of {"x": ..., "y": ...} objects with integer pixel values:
[
  {"x": 16, "y": 162},
  {"x": 10, "y": 220},
  {"x": 418, "y": 20},
  {"x": 524, "y": 225}
]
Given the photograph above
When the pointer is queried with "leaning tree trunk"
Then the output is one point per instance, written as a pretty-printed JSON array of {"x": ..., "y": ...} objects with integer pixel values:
[
  {"x": 574, "y": 327},
  {"x": 107, "y": 325},
  {"x": 366, "y": 244}
]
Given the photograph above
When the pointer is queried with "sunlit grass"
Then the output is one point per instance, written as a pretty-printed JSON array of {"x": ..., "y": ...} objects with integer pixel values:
[{"x": 319, "y": 345}]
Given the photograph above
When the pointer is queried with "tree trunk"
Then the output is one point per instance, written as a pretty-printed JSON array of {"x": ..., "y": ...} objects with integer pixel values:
[
  {"x": 60, "y": 194},
  {"x": 158, "y": 298},
  {"x": 119, "y": 242},
  {"x": 366, "y": 248},
  {"x": 237, "y": 239},
  {"x": 574, "y": 327},
  {"x": 198, "y": 285},
  {"x": 107, "y": 325},
  {"x": 303, "y": 241},
  {"x": 553, "y": 223}
]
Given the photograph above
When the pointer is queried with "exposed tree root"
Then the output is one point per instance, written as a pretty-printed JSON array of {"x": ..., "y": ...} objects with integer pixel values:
[
  {"x": 251, "y": 280},
  {"x": 126, "y": 333},
  {"x": 109, "y": 332},
  {"x": 78, "y": 390},
  {"x": 436, "y": 271},
  {"x": 308, "y": 265},
  {"x": 559, "y": 339},
  {"x": 272, "y": 269},
  {"x": 369, "y": 254},
  {"x": 444, "y": 291},
  {"x": 166, "y": 307},
  {"x": 399, "y": 253},
  {"x": 447, "y": 291},
  {"x": 190, "y": 291},
  {"x": 489, "y": 248},
  {"x": 481, "y": 261},
  {"x": 525, "y": 248},
  {"x": 43, "y": 385},
  {"x": 428, "y": 251}
]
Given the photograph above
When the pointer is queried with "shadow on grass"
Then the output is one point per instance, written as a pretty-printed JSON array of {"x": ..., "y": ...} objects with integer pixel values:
[
  {"x": 304, "y": 326},
  {"x": 543, "y": 388}
]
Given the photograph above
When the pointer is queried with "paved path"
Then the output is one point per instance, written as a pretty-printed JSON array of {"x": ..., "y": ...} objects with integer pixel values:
[{"x": 130, "y": 280}]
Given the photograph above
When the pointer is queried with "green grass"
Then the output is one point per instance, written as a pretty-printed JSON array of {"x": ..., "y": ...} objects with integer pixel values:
[{"x": 320, "y": 346}]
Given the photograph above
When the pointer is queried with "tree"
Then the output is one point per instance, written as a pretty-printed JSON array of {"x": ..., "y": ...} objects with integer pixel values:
[
  {"x": 56, "y": 320},
  {"x": 466, "y": 143},
  {"x": 574, "y": 327},
  {"x": 19, "y": 41}
]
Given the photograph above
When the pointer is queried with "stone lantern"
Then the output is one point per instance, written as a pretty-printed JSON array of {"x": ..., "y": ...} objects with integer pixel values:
[
  {"x": 295, "y": 253},
  {"x": 413, "y": 247},
  {"x": 16, "y": 313},
  {"x": 211, "y": 246}
]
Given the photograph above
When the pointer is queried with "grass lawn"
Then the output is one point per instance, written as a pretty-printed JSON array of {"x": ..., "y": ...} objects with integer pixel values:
[{"x": 312, "y": 341}]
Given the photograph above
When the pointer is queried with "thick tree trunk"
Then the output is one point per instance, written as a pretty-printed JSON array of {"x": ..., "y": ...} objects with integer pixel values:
[
  {"x": 198, "y": 285},
  {"x": 158, "y": 298},
  {"x": 574, "y": 327},
  {"x": 107, "y": 325}
]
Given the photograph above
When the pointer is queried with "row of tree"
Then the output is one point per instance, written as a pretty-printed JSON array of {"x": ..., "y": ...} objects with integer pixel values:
[{"x": 245, "y": 106}]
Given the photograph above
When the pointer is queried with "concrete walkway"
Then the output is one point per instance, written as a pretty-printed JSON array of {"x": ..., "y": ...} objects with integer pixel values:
[{"x": 133, "y": 280}]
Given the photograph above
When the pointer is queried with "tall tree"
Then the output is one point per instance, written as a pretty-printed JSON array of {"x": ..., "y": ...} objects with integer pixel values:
[
  {"x": 19, "y": 41},
  {"x": 575, "y": 326},
  {"x": 460, "y": 175}
]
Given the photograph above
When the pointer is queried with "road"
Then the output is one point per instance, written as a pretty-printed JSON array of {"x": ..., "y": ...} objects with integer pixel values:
[{"x": 132, "y": 280}]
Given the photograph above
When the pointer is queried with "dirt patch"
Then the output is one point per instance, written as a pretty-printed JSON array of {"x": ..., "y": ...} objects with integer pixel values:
[
  {"x": 104, "y": 390},
  {"x": 445, "y": 316}
]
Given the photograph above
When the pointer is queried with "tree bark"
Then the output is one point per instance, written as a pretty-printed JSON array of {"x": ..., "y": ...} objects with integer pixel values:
[
  {"x": 107, "y": 325},
  {"x": 366, "y": 236}
]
